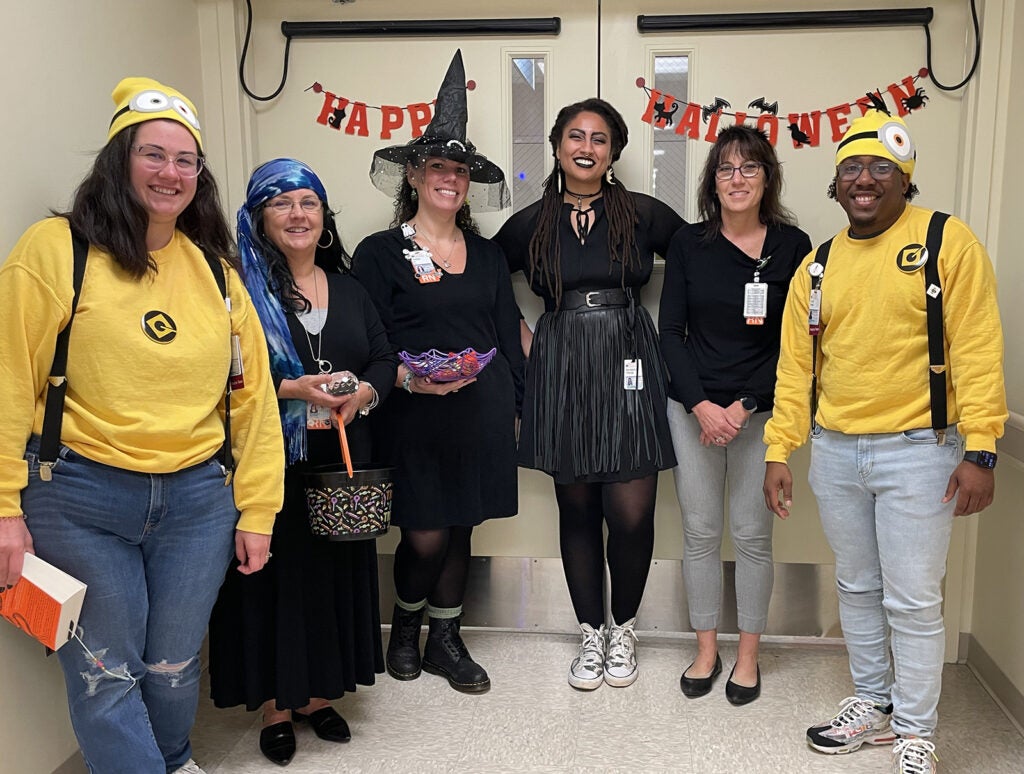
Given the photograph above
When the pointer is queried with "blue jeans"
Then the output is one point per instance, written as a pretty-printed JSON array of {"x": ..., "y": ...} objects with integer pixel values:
[
  {"x": 153, "y": 550},
  {"x": 701, "y": 475},
  {"x": 880, "y": 499}
]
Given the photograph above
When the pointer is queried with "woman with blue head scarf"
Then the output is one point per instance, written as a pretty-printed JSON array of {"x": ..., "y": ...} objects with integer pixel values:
[{"x": 308, "y": 628}]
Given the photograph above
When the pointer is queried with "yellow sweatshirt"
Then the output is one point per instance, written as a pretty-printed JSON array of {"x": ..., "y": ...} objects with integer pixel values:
[
  {"x": 150, "y": 403},
  {"x": 874, "y": 342}
]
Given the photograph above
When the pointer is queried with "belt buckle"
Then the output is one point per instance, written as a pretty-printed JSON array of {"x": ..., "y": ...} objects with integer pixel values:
[{"x": 587, "y": 299}]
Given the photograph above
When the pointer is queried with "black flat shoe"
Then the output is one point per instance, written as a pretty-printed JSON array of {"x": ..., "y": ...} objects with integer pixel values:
[
  {"x": 738, "y": 695},
  {"x": 695, "y": 687},
  {"x": 277, "y": 743},
  {"x": 326, "y": 723}
]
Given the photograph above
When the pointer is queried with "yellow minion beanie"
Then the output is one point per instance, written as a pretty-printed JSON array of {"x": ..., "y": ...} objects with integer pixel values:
[
  {"x": 878, "y": 134},
  {"x": 143, "y": 99}
]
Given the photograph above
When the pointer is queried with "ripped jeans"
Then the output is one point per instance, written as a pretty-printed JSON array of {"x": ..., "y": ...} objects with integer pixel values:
[{"x": 153, "y": 550}]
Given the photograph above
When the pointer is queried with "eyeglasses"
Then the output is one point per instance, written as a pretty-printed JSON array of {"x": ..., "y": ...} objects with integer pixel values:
[
  {"x": 284, "y": 206},
  {"x": 747, "y": 169},
  {"x": 154, "y": 158},
  {"x": 879, "y": 170}
]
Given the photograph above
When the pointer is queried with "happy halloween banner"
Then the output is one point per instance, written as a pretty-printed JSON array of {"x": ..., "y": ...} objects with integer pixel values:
[
  {"x": 350, "y": 116},
  {"x": 702, "y": 121}
]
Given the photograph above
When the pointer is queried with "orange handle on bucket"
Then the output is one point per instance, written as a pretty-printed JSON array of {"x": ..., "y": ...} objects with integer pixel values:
[{"x": 343, "y": 438}]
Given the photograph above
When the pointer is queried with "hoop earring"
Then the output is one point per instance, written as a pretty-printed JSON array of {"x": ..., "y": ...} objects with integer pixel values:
[
  {"x": 609, "y": 176},
  {"x": 330, "y": 241}
]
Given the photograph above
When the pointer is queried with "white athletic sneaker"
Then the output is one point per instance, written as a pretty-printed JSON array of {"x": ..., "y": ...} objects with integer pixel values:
[
  {"x": 857, "y": 722},
  {"x": 585, "y": 672},
  {"x": 620, "y": 667},
  {"x": 912, "y": 755},
  {"x": 190, "y": 767}
]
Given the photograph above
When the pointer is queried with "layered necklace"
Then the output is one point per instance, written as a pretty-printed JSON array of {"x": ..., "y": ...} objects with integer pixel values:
[
  {"x": 582, "y": 215},
  {"x": 445, "y": 261}
]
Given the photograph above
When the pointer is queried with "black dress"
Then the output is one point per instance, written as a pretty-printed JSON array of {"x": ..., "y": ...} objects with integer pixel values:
[
  {"x": 579, "y": 422},
  {"x": 454, "y": 453},
  {"x": 308, "y": 624}
]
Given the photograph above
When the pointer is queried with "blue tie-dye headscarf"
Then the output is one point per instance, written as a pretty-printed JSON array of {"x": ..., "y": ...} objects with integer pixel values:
[{"x": 272, "y": 179}]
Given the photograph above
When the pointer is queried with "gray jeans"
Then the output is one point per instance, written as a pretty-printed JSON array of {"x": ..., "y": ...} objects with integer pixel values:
[{"x": 701, "y": 476}]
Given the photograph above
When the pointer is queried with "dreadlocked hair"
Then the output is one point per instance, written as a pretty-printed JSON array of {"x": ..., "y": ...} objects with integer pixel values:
[{"x": 545, "y": 250}]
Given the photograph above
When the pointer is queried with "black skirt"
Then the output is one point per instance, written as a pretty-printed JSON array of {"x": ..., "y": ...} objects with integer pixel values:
[
  {"x": 579, "y": 422},
  {"x": 306, "y": 625}
]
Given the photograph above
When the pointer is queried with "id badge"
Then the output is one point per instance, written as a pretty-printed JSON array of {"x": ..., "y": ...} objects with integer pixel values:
[
  {"x": 237, "y": 369},
  {"x": 755, "y": 302},
  {"x": 318, "y": 417},
  {"x": 633, "y": 375},
  {"x": 814, "y": 312},
  {"x": 423, "y": 266}
]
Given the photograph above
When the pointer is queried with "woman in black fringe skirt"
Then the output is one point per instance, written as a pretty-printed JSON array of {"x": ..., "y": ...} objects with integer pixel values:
[{"x": 594, "y": 410}]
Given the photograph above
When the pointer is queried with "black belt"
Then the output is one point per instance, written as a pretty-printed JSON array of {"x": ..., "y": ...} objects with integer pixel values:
[{"x": 584, "y": 300}]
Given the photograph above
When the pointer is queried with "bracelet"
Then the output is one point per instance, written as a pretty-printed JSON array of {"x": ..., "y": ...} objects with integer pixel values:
[
  {"x": 374, "y": 400},
  {"x": 407, "y": 382},
  {"x": 16, "y": 516}
]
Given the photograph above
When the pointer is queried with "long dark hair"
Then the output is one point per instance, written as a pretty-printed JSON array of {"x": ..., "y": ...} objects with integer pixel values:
[
  {"x": 406, "y": 205},
  {"x": 107, "y": 212},
  {"x": 751, "y": 144},
  {"x": 545, "y": 252},
  {"x": 332, "y": 258}
]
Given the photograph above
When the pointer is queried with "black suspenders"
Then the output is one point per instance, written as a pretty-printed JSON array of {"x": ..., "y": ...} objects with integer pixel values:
[{"x": 933, "y": 309}]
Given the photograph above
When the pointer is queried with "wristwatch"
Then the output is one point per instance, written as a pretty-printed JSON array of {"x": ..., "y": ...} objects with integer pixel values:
[
  {"x": 749, "y": 403},
  {"x": 983, "y": 459}
]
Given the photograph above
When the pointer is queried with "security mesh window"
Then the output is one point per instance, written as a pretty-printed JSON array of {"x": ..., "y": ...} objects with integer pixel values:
[
  {"x": 668, "y": 172},
  {"x": 529, "y": 142}
]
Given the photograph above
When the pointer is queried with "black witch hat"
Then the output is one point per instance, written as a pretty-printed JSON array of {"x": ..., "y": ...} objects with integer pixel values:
[{"x": 445, "y": 137}]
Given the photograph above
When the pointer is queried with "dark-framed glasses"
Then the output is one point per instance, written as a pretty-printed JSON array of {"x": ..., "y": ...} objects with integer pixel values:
[
  {"x": 283, "y": 206},
  {"x": 154, "y": 158},
  {"x": 848, "y": 171},
  {"x": 747, "y": 169}
]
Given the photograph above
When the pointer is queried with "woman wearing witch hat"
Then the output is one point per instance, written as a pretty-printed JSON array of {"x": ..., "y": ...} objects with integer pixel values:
[{"x": 439, "y": 285}]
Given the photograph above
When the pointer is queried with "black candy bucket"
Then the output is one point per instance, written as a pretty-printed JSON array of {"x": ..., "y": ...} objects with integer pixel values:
[{"x": 343, "y": 508}]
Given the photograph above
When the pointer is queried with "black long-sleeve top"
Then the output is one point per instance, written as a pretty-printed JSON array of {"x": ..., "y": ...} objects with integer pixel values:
[{"x": 710, "y": 351}]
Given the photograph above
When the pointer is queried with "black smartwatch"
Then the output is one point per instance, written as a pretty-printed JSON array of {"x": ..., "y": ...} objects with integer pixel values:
[
  {"x": 749, "y": 403},
  {"x": 983, "y": 459}
]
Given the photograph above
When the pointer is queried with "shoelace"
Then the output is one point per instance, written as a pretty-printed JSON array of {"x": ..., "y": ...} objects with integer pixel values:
[
  {"x": 620, "y": 645},
  {"x": 591, "y": 651},
  {"x": 852, "y": 710},
  {"x": 913, "y": 755}
]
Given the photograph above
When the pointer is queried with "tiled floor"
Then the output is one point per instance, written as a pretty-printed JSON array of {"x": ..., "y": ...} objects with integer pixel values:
[{"x": 532, "y": 721}]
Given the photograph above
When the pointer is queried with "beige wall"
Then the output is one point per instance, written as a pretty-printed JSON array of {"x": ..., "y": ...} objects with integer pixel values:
[{"x": 61, "y": 61}]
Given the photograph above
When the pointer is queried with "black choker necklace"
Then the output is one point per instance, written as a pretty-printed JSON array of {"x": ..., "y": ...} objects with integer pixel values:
[{"x": 581, "y": 196}]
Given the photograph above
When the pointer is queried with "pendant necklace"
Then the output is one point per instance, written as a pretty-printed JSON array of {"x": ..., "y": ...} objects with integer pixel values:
[
  {"x": 324, "y": 365},
  {"x": 445, "y": 262},
  {"x": 582, "y": 221}
]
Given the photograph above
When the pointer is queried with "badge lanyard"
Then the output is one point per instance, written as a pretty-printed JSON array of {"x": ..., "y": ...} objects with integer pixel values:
[
  {"x": 422, "y": 260},
  {"x": 755, "y": 296}
]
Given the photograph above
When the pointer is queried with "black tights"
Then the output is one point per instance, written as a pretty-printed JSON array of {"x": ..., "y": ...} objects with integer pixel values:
[
  {"x": 432, "y": 564},
  {"x": 628, "y": 509}
]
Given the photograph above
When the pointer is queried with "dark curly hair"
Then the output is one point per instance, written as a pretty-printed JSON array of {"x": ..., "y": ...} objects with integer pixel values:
[
  {"x": 753, "y": 145},
  {"x": 406, "y": 205},
  {"x": 108, "y": 213},
  {"x": 332, "y": 258},
  {"x": 545, "y": 252}
]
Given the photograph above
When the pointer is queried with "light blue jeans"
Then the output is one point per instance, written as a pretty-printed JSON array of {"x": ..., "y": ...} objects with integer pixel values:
[
  {"x": 701, "y": 475},
  {"x": 153, "y": 550},
  {"x": 880, "y": 499}
]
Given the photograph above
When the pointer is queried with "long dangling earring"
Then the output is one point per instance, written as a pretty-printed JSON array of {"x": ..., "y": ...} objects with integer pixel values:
[
  {"x": 414, "y": 195},
  {"x": 558, "y": 176},
  {"x": 330, "y": 240},
  {"x": 609, "y": 176}
]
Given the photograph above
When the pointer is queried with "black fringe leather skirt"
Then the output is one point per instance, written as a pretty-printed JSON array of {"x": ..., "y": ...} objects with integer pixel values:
[{"x": 579, "y": 423}]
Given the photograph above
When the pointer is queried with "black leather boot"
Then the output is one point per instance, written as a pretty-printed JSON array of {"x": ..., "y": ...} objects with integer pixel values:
[
  {"x": 403, "y": 660},
  {"x": 445, "y": 654}
]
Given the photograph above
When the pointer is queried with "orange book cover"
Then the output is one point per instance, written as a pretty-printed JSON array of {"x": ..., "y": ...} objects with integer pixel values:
[{"x": 45, "y": 603}]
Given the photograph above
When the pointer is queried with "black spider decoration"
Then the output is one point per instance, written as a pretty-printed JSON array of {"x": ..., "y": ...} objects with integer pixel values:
[
  {"x": 717, "y": 105},
  {"x": 798, "y": 136},
  {"x": 915, "y": 100},
  {"x": 764, "y": 106}
]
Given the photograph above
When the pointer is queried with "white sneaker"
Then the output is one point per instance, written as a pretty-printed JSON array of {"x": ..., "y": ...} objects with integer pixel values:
[
  {"x": 190, "y": 767},
  {"x": 858, "y": 722},
  {"x": 585, "y": 672},
  {"x": 913, "y": 755},
  {"x": 620, "y": 667}
]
